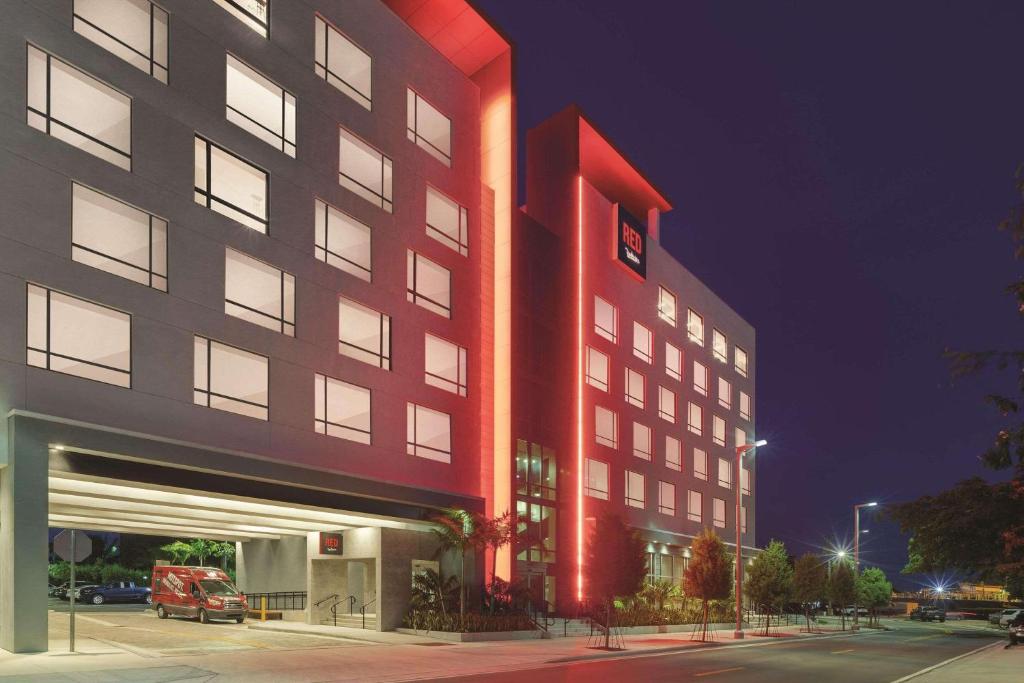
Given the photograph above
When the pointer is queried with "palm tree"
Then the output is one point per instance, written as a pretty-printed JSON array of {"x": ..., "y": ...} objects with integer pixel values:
[
  {"x": 493, "y": 534},
  {"x": 455, "y": 531}
]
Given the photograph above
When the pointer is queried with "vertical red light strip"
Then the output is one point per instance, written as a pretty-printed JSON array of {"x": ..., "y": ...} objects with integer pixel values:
[{"x": 579, "y": 387}]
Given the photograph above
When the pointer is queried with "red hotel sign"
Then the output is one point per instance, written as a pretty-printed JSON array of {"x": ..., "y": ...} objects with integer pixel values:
[
  {"x": 631, "y": 241},
  {"x": 330, "y": 543}
]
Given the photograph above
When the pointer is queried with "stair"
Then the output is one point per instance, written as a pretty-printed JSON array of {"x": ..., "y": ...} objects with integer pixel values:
[
  {"x": 573, "y": 628},
  {"x": 351, "y": 621}
]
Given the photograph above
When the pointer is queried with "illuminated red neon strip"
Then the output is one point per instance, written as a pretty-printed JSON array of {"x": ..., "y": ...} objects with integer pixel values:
[{"x": 579, "y": 387}]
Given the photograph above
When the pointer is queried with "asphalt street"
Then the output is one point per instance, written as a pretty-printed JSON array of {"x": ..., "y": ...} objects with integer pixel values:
[{"x": 872, "y": 657}]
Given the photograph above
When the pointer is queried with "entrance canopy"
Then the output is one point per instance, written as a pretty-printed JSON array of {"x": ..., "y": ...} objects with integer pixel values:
[{"x": 104, "y": 504}]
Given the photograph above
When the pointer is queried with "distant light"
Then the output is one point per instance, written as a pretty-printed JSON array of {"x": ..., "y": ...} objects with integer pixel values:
[
  {"x": 760, "y": 442},
  {"x": 841, "y": 553},
  {"x": 871, "y": 505},
  {"x": 864, "y": 531}
]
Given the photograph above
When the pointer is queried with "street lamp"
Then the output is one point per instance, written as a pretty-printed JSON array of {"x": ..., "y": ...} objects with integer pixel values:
[
  {"x": 856, "y": 556},
  {"x": 740, "y": 451}
]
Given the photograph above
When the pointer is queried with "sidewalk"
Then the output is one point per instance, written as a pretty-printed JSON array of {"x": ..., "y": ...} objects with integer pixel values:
[
  {"x": 987, "y": 665},
  {"x": 389, "y": 658}
]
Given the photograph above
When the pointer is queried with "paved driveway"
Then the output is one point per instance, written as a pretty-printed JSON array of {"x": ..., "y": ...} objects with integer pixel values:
[{"x": 143, "y": 634}]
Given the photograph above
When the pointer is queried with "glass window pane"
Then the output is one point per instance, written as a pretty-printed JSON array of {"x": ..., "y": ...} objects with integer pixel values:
[
  {"x": 260, "y": 106},
  {"x": 252, "y": 13},
  {"x": 364, "y": 334},
  {"x": 430, "y": 434},
  {"x": 605, "y": 319},
  {"x": 446, "y": 221},
  {"x": 134, "y": 30},
  {"x": 364, "y": 170},
  {"x": 343, "y": 409},
  {"x": 429, "y": 284},
  {"x": 445, "y": 365},
  {"x": 258, "y": 292},
  {"x": 238, "y": 379},
  {"x": 342, "y": 241},
  {"x": 429, "y": 128},
  {"x": 342, "y": 63}
]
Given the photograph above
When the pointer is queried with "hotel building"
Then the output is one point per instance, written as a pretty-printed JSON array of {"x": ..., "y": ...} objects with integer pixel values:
[{"x": 263, "y": 279}]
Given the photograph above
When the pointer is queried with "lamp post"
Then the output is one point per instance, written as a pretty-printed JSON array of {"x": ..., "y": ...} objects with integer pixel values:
[
  {"x": 856, "y": 557},
  {"x": 740, "y": 451}
]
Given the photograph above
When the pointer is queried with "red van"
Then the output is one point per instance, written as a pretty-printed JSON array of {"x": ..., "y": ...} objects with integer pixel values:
[{"x": 202, "y": 593}]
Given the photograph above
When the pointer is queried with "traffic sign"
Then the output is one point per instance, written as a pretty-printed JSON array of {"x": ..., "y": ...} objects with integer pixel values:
[{"x": 62, "y": 546}]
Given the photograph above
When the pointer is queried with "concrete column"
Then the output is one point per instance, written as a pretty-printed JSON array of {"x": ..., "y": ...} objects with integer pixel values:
[{"x": 23, "y": 542}]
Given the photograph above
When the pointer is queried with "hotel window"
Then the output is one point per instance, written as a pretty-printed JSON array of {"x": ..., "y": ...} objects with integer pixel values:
[
  {"x": 700, "y": 464},
  {"x": 700, "y": 378},
  {"x": 134, "y": 30},
  {"x": 673, "y": 453},
  {"x": 743, "y": 520},
  {"x": 364, "y": 170},
  {"x": 428, "y": 128},
  {"x": 231, "y": 186},
  {"x": 718, "y": 430},
  {"x": 606, "y": 319},
  {"x": 643, "y": 343},
  {"x": 636, "y": 386},
  {"x": 695, "y": 326},
  {"x": 445, "y": 365},
  {"x": 428, "y": 284},
  {"x": 606, "y": 427},
  {"x": 77, "y": 337},
  {"x": 536, "y": 470},
  {"x": 260, "y": 106},
  {"x": 673, "y": 361},
  {"x": 597, "y": 369},
  {"x": 259, "y": 293},
  {"x": 252, "y": 13},
  {"x": 745, "y": 481},
  {"x": 635, "y": 497},
  {"x": 718, "y": 515},
  {"x": 724, "y": 393},
  {"x": 724, "y": 473},
  {"x": 84, "y": 112},
  {"x": 719, "y": 346},
  {"x": 364, "y": 334},
  {"x": 666, "y": 498},
  {"x": 118, "y": 238},
  {"x": 342, "y": 409},
  {"x": 342, "y": 241},
  {"x": 694, "y": 505},
  {"x": 342, "y": 63},
  {"x": 232, "y": 379},
  {"x": 596, "y": 478},
  {"x": 447, "y": 222},
  {"x": 740, "y": 361},
  {"x": 536, "y": 532},
  {"x": 667, "y": 306},
  {"x": 744, "y": 405},
  {"x": 428, "y": 433},
  {"x": 666, "y": 404},
  {"x": 642, "y": 441},
  {"x": 695, "y": 419},
  {"x": 740, "y": 436}
]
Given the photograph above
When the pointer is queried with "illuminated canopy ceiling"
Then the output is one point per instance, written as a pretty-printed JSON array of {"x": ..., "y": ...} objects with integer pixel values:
[{"x": 455, "y": 29}]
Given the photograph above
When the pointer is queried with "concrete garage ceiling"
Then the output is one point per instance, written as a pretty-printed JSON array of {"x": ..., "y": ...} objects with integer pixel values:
[{"x": 127, "y": 507}]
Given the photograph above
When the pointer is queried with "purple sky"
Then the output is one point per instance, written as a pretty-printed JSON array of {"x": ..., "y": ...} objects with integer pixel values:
[{"x": 838, "y": 172}]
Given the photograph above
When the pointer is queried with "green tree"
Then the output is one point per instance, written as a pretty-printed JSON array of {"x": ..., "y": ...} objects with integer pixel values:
[
  {"x": 659, "y": 592},
  {"x": 493, "y": 534},
  {"x": 616, "y": 565},
  {"x": 454, "y": 532},
  {"x": 708, "y": 576},
  {"x": 179, "y": 551},
  {"x": 873, "y": 591},
  {"x": 842, "y": 588},
  {"x": 810, "y": 583},
  {"x": 769, "y": 580}
]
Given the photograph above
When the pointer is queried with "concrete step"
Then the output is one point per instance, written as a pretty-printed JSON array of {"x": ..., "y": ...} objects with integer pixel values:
[{"x": 353, "y": 621}]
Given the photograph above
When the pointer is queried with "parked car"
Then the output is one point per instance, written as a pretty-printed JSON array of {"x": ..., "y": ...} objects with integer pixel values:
[
  {"x": 928, "y": 614},
  {"x": 62, "y": 590},
  {"x": 1006, "y": 616},
  {"x": 202, "y": 593},
  {"x": 119, "y": 591}
]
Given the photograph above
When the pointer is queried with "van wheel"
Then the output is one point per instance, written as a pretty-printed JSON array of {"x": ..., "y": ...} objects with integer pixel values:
[
  {"x": 239, "y": 620},
  {"x": 97, "y": 599},
  {"x": 161, "y": 613},
  {"x": 204, "y": 618}
]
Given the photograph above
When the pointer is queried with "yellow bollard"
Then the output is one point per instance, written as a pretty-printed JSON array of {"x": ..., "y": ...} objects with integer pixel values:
[{"x": 263, "y": 608}]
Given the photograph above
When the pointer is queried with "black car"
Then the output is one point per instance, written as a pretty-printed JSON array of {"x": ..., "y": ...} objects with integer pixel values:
[
  {"x": 119, "y": 591},
  {"x": 61, "y": 591},
  {"x": 928, "y": 614}
]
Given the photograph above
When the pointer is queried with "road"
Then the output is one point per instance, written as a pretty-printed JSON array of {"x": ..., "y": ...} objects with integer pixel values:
[
  {"x": 56, "y": 605},
  {"x": 880, "y": 657}
]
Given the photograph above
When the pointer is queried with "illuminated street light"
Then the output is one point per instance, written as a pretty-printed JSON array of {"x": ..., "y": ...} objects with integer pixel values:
[
  {"x": 856, "y": 553},
  {"x": 740, "y": 451}
]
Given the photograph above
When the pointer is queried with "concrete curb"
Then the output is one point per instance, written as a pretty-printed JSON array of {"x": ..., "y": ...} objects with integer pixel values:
[
  {"x": 941, "y": 664},
  {"x": 653, "y": 651}
]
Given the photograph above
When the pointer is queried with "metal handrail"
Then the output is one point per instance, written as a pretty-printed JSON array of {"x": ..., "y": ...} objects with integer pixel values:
[
  {"x": 323, "y": 600},
  {"x": 362, "y": 610},
  {"x": 351, "y": 603}
]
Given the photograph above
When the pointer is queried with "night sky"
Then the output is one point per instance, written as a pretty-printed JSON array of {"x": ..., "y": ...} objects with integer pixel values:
[{"x": 837, "y": 172}]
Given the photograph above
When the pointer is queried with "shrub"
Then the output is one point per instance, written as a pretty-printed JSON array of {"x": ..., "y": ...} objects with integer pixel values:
[{"x": 427, "y": 620}]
